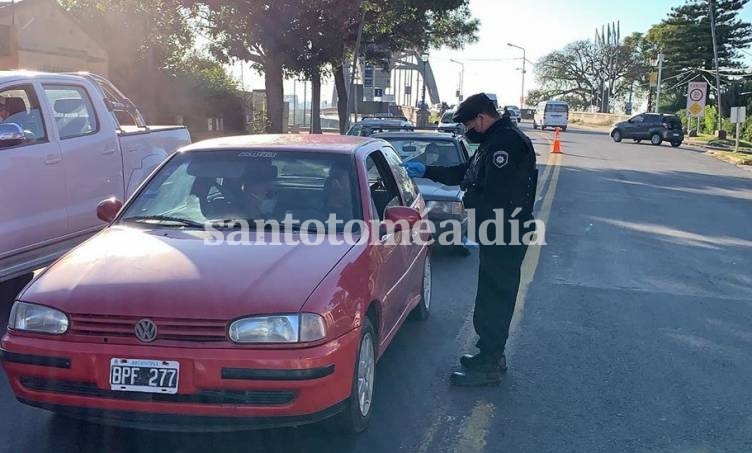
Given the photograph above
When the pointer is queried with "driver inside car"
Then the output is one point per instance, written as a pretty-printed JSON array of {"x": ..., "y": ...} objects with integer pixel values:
[{"x": 260, "y": 202}]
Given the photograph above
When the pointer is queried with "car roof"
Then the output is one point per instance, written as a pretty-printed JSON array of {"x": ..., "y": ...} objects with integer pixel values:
[
  {"x": 339, "y": 144},
  {"x": 24, "y": 75}
]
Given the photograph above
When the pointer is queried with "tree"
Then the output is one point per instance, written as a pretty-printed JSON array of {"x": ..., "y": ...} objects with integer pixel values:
[
  {"x": 590, "y": 73},
  {"x": 684, "y": 37},
  {"x": 395, "y": 26},
  {"x": 144, "y": 40}
]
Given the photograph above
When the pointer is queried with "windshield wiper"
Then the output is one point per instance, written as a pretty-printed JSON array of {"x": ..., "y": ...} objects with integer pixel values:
[{"x": 164, "y": 218}]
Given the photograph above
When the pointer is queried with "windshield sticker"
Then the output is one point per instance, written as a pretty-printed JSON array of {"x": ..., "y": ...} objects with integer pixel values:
[{"x": 258, "y": 154}]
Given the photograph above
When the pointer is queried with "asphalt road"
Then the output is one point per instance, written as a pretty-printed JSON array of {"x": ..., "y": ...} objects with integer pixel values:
[{"x": 633, "y": 332}]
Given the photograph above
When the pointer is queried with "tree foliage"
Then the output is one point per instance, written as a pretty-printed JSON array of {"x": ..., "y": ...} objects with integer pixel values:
[
  {"x": 143, "y": 38},
  {"x": 685, "y": 39},
  {"x": 585, "y": 73}
]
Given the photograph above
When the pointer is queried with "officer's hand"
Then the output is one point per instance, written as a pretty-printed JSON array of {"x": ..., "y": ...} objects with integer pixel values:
[{"x": 415, "y": 169}]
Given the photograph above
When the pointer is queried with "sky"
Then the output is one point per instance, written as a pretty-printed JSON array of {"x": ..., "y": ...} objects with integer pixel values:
[{"x": 539, "y": 26}]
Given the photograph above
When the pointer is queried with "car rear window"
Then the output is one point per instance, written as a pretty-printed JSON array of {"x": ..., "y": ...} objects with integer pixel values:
[
  {"x": 442, "y": 153},
  {"x": 557, "y": 108},
  {"x": 673, "y": 122},
  {"x": 447, "y": 118}
]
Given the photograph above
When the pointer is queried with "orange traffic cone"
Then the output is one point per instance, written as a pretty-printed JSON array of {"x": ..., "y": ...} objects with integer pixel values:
[{"x": 556, "y": 147}]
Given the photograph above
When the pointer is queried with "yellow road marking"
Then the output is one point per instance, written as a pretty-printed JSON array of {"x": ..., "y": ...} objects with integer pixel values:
[
  {"x": 530, "y": 265},
  {"x": 474, "y": 429}
]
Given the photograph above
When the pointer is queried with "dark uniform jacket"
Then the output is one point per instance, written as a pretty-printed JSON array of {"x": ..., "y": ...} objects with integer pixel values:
[{"x": 500, "y": 175}]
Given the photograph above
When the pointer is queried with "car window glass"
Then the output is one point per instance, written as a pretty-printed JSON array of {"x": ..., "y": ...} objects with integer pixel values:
[
  {"x": 407, "y": 186},
  {"x": 73, "y": 110},
  {"x": 21, "y": 107},
  {"x": 252, "y": 186},
  {"x": 556, "y": 108},
  {"x": 447, "y": 118},
  {"x": 638, "y": 119},
  {"x": 381, "y": 184},
  {"x": 440, "y": 153}
]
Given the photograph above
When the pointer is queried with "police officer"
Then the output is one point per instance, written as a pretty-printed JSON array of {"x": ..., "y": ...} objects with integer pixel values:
[{"x": 500, "y": 176}]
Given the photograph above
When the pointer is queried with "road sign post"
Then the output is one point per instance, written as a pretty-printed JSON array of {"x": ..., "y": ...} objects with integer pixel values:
[
  {"x": 738, "y": 115},
  {"x": 696, "y": 94}
]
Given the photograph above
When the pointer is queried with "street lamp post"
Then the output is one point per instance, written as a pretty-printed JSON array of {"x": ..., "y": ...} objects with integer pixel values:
[
  {"x": 461, "y": 91},
  {"x": 524, "y": 61},
  {"x": 423, "y": 110}
]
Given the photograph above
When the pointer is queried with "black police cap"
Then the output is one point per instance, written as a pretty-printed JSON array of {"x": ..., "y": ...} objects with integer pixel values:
[{"x": 472, "y": 106}]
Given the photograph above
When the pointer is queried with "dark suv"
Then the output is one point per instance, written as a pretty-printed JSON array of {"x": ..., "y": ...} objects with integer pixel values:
[{"x": 656, "y": 127}]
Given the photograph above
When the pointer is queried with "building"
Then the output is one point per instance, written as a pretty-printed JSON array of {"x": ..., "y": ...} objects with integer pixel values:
[{"x": 40, "y": 35}]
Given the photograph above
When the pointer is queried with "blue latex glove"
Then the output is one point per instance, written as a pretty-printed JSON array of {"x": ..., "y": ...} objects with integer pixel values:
[{"x": 415, "y": 169}]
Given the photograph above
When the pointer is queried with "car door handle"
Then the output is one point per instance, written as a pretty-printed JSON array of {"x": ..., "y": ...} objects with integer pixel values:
[
  {"x": 52, "y": 159},
  {"x": 108, "y": 151}
]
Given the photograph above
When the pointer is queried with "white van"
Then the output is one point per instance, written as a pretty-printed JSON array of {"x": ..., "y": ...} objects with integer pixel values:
[{"x": 551, "y": 114}]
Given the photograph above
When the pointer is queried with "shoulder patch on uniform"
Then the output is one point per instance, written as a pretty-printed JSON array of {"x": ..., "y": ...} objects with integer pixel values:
[{"x": 500, "y": 158}]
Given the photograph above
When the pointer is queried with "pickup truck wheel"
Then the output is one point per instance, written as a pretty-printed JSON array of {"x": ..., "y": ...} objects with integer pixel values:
[
  {"x": 656, "y": 139},
  {"x": 676, "y": 144},
  {"x": 616, "y": 135}
]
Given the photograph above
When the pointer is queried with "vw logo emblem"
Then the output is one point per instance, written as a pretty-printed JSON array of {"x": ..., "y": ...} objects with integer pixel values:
[{"x": 146, "y": 330}]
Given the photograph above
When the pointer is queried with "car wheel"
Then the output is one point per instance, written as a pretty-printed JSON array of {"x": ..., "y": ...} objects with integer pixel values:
[
  {"x": 676, "y": 144},
  {"x": 616, "y": 135},
  {"x": 423, "y": 309},
  {"x": 357, "y": 412},
  {"x": 564, "y": 129},
  {"x": 543, "y": 128},
  {"x": 535, "y": 126},
  {"x": 637, "y": 140},
  {"x": 656, "y": 139}
]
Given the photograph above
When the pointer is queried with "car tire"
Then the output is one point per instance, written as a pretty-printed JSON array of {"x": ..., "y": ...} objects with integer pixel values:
[
  {"x": 535, "y": 125},
  {"x": 543, "y": 128},
  {"x": 616, "y": 135},
  {"x": 356, "y": 414},
  {"x": 423, "y": 309},
  {"x": 564, "y": 129},
  {"x": 676, "y": 144},
  {"x": 656, "y": 139}
]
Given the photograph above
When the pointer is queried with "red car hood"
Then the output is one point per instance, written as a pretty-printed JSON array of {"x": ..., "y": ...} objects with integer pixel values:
[{"x": 172, "y": 273}]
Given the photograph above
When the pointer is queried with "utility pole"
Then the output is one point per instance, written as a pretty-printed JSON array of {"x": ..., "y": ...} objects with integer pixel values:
[
  {"x": 356, "y": 53},
  {"x": 524, "y": 61},
  {"x": 658, "y": 86},
  {"x": 717, "y": 72}
]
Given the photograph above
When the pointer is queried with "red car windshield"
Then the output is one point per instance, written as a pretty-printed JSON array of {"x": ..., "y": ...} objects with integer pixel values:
[{"x": 220, "y": 186}]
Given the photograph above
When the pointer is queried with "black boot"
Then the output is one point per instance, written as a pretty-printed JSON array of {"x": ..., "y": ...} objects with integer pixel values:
[
  {"x": 487, "y": 375},
  {"x": 474, "y": 362}
]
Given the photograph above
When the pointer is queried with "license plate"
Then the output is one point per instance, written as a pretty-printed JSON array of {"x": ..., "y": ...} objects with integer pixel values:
[{"x": 142, "y": 375}]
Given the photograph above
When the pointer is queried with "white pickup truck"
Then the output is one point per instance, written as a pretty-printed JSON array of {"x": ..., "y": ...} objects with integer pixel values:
[{"x": 67, "y": 141}]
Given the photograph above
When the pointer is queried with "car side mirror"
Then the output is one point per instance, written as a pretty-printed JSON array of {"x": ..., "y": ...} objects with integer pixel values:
[
  {"x": 108, "y": 209},
  {"x": 401, "y": 215},
  {"x": 11, "y": 134}
]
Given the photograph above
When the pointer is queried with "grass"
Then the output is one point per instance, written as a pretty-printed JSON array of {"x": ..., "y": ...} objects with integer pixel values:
[
  {"x": 712, "y": 140},
  {"x": 733, "y": 157}
]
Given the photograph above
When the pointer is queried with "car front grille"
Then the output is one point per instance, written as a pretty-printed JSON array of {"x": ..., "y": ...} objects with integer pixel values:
[
  {"x": 168, "y": 328},
  {"x": 245, "y": 397}
]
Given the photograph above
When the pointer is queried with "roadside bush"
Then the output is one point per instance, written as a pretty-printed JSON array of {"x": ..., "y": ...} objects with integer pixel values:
[{"x": 747, "y": 134}]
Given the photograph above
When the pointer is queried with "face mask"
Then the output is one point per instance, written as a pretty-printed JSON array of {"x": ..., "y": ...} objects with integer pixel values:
[
  {"x": 267, "y": 206},
  {"x": 474, "y": 136}
]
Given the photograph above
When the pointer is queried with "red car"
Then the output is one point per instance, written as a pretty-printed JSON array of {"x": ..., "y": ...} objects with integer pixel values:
[{"x": 155, "y": 323}]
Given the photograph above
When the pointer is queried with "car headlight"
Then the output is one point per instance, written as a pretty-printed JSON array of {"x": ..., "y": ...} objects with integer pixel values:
[
  {"x": 447, "y": 207},
  {"x": 37, "y": 318},
  {"x": 278, "y": 329}
]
